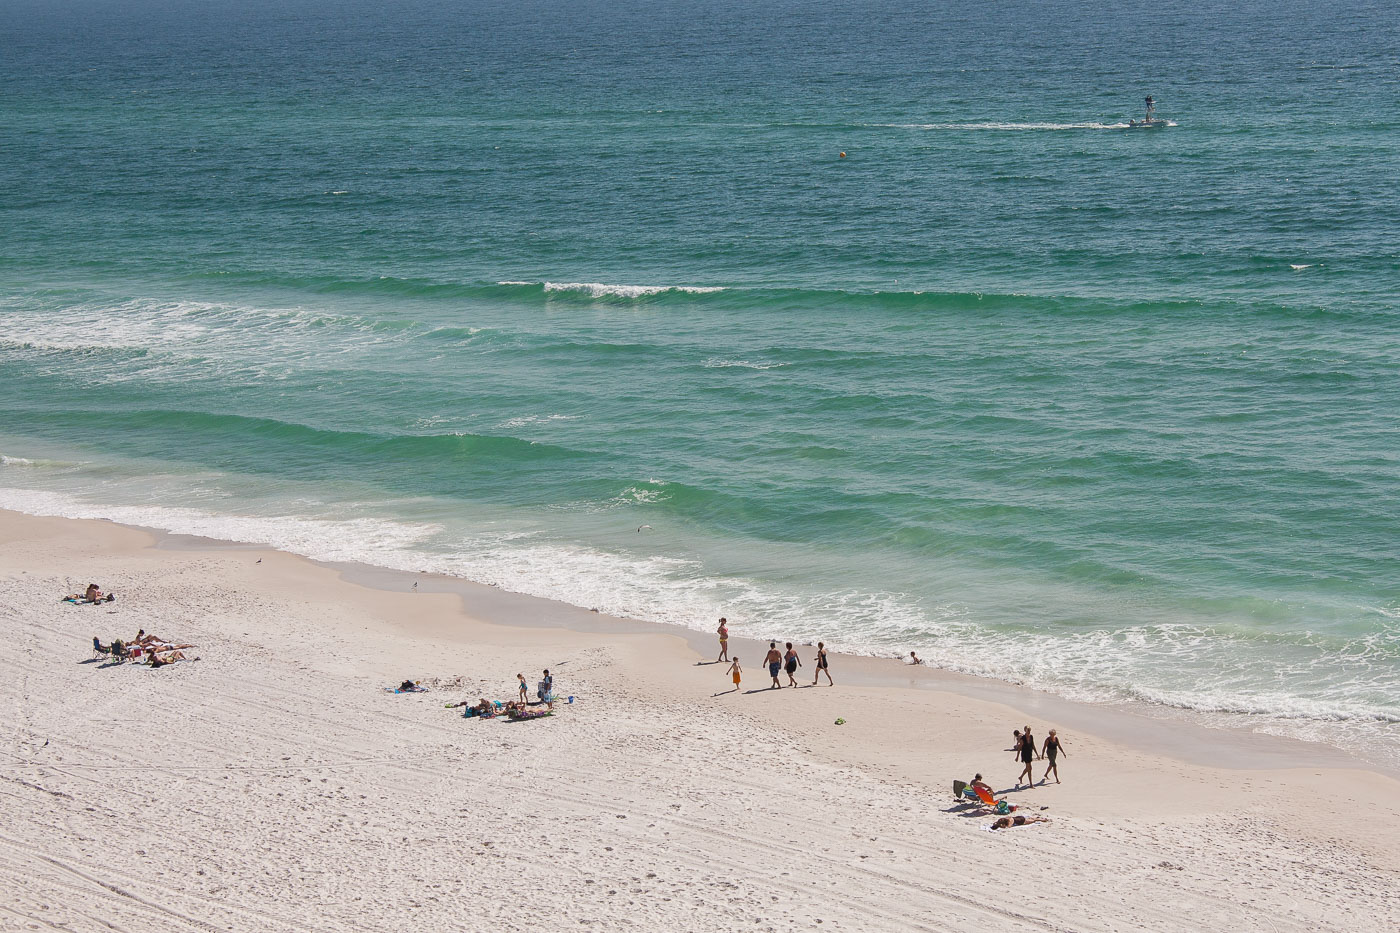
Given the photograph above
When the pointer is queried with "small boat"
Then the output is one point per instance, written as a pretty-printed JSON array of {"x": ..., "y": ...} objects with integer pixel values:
[{"x": 1151, "y": 121}]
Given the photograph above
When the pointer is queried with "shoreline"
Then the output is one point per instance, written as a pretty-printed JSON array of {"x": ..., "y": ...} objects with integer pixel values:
[
  {"x": 293, "y": 792},
  {"x": 1145, "y": 726},
  {"x": 1235, "y": 736}
]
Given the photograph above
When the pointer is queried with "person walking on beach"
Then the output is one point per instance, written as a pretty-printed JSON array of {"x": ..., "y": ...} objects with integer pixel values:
[
  {"x": 1016, "y": 744},
  {"x": 723, "y": 640},
  {"x": 1027, "y": 756},
  {"x": 524, "y": 691},
  {"x": 774, "y": 660},
  {"x": 791, "y": 662},
  {"x": 822, "y": 667},
  {"x": 1050, "y": 752},
  {"x": 736, "y": 670}
]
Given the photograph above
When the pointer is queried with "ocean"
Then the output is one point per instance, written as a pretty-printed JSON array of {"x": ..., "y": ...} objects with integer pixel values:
[{"x": 865, "y": 321}]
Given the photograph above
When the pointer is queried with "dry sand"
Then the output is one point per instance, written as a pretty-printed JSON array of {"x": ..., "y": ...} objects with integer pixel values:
[{"x": 274, "y": 785}]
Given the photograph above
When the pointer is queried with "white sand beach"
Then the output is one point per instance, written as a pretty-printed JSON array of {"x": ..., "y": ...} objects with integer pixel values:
[{"x": 273, "y": 785}]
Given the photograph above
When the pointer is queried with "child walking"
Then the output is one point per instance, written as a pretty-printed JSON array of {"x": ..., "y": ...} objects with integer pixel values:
[{"x": 736, "y": 671}]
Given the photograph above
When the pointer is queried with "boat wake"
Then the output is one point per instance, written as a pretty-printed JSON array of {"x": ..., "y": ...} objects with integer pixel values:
[{"x": 1001, "y": 126}]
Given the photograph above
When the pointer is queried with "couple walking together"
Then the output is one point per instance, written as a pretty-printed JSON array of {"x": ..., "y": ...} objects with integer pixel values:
[{"x": 1026, "y": 753}]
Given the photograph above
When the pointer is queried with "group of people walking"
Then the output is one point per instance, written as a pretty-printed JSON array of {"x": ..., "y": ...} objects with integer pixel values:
[
  {"x": 1023, "y": 745},
  {"x": 778, "y": 661}
]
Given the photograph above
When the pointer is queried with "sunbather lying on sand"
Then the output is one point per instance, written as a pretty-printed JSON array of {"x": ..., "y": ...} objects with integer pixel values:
[
  {"x": 91, "y": 595},
  {"x": 1006, "y": 822},
  {"x": 171, "y": 658}
]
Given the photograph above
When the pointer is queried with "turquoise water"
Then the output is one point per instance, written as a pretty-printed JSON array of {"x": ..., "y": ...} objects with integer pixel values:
[{"x": 582, "y": 300}]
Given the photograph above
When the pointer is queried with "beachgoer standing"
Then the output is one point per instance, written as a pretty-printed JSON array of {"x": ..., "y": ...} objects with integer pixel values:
[
  {"x": 723, "y": 640},
  {"x": 1027, "y": 756},
  {"x": 524, "y": 690},
  {"x": 822, "y": 667},
  {"x": 735, "y": 670},
  {"x": 774, "y": 660},
  {"x": 546, "y": 690},
  {"x": 791, "y": 662},
  {"x": 1016, "y": 744},
  {"x": 1051, "y": 751}
]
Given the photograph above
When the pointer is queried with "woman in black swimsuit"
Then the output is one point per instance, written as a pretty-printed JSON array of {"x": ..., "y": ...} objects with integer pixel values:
[
  {"x": 1027, "y": 756},
  {"x": 792, "y": 661},
  {"x": 1006, "y": 822},
  {"x": 1051, "y": 751},
  {"x": 822, "y": 667}
]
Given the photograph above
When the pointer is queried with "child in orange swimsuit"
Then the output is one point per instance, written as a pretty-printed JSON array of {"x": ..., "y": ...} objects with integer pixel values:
[{"x": 735, "y": 670}]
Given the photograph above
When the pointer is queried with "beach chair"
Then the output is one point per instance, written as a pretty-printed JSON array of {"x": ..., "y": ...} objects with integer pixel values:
[
  {"x": 1000, "y": 806},
  {"x": 99, "y": 649}
]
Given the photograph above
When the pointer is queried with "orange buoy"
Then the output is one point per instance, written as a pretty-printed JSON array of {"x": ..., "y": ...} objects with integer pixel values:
[{"x": 843, "y": 155}]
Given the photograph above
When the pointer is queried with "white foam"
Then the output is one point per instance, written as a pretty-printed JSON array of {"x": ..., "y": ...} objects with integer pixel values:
[
  {"x": 14, "y": 461},
  {"x": 601, "y": 290},
  {"x": 179, "y": 341},
  {"x": 655, "y": 491},
  {"x": 717, "y": 363},
  {"x": 1299, "y": 266},
  {"x": 526, "y": 420},
  {"x": 360, "y": 540}
]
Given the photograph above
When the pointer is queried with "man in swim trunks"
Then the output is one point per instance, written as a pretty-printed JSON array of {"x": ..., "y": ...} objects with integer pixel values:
[
  {"x": 723, "y": 640},
  {"x": 791, "y": 662},
  {"x": 774, "y": 660},
  {"x": 978, "y": 782}
]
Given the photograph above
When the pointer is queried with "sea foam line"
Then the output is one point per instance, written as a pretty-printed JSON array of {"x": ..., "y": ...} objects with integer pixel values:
[{"x": 604, "y": 290}]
